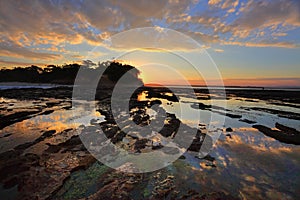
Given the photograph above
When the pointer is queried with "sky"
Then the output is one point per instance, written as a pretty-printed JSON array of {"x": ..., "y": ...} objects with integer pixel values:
[{"x": 252, "y": 43}]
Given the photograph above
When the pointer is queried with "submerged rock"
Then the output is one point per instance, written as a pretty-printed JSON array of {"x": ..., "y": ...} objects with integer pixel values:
[
  {"x": 247, "y": 121},
  {"x": 279, "y": 113}
]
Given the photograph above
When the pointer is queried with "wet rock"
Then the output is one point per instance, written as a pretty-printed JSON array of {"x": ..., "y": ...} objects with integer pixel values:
[
  {"x": 73, "y": 141},
  {"x": 26, "y": 145},
  {"x": 198, "y": 140},
  {"x": 72, "y": 144},
  {"x": 7, "y": 135},
  {"x": 51, "y": 104},
  {"x": 280, "y": 113},
  {"x": 251, "y": 100},
  {"x": 209, "y": 158},
  {"x": 140, "y": 144},
  {"x": 93, "y": 122},
  {"x": 156, "y": 143},
  {"x": 164, "y": 187},
  {"x": 171, "y": 127},
  {"x": 286, "y": 129},
  {"x": 67, "y": 107},
  {"x": 229, "y": 129},
  {"x": 47, "y": 134},
  {"x": 8, "y": 155},
  {"x": 153, "y": 102},
  {"x": 15, "y": 166},
  {"x": 111, "y": 131},
  {"x": 201, "y": 106},
  {"x": 52, "y": 148},
  {"x": 118, "y": 137},
  {"x": 279, "y": 95},
  {"x": 156, "y": 146},
  {"x": 215, "y": 109},
  {"x": 84, "y": 163},
  {"x": 202, "y": 125},
  {"x": 47, "y": 112},
  {"x": 133, "y": 136},
  {"x": 117, "y": 185},
  {"x": 284, "y": 104},
  {"x": 210, "y": 164},
  {"x": 16, "y": 117},
  {"x": 161, "y": 94},
  {"x": 279, "y": 135}
]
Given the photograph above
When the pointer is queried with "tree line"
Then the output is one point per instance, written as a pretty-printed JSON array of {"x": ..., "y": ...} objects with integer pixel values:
[{"x": 66, "y": 74}]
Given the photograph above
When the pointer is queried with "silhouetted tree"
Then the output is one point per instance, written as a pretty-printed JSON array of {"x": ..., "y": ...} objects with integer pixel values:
[{"x": 67, "y": 73}]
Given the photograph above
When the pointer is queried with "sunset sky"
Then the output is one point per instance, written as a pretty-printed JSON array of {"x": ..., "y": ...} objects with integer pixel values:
[{"x": 253, "y": 43}]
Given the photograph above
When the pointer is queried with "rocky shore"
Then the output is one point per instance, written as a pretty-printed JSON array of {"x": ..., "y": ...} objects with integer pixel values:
[
  {"x": 43, "y": 162},
  {"x": 39, "y": 168}
]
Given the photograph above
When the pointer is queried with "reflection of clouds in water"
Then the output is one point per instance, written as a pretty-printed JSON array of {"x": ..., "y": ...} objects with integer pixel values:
[
  {"x": 32, "y": 128},
  {"x": 258, "y": 141},
  {"x": 57, "y": 120},
  {"x": 244, "y": 129},
  {"x": 248, "y": 164},
  {"x": 252, "y": 166},
  {"x": 262, "y": 161}
]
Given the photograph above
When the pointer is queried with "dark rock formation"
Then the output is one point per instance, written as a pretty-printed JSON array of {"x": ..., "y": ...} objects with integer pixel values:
[{"x": 286, "y": 135}]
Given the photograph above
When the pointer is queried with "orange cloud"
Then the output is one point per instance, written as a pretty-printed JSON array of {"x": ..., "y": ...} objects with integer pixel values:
[{"x": 14, "y": 50}]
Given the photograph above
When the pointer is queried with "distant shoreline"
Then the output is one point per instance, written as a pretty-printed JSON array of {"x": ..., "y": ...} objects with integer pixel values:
[
  {"x": 24, "y": 85},
  {"x": 229, "y": 87}
]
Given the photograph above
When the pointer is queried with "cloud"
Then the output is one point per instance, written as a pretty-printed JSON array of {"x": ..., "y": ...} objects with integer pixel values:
[
  {"x": 204, "y": 38},
  {"x": 77, "y": 56},
  {"x": 32, "y": 23},
  {"x": 262, "y": 44},
  {"x": 219, "y": 50},
  {"x": 214, "y": 2},
  {"x": 144, "y": 8},
  {"x": 266, "y": 14},
  {"x": 160, "y": 40},
  {"x": 225, "y": 4},
  {"x": 14, "y": 50},
  {"x": 230, "y": 3},
  {"x": 101, "y": 14},
  {"x": 279, "y": 34},
  {"x": 34, "y": 29},
  {"x": 16, "y": 63}
]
